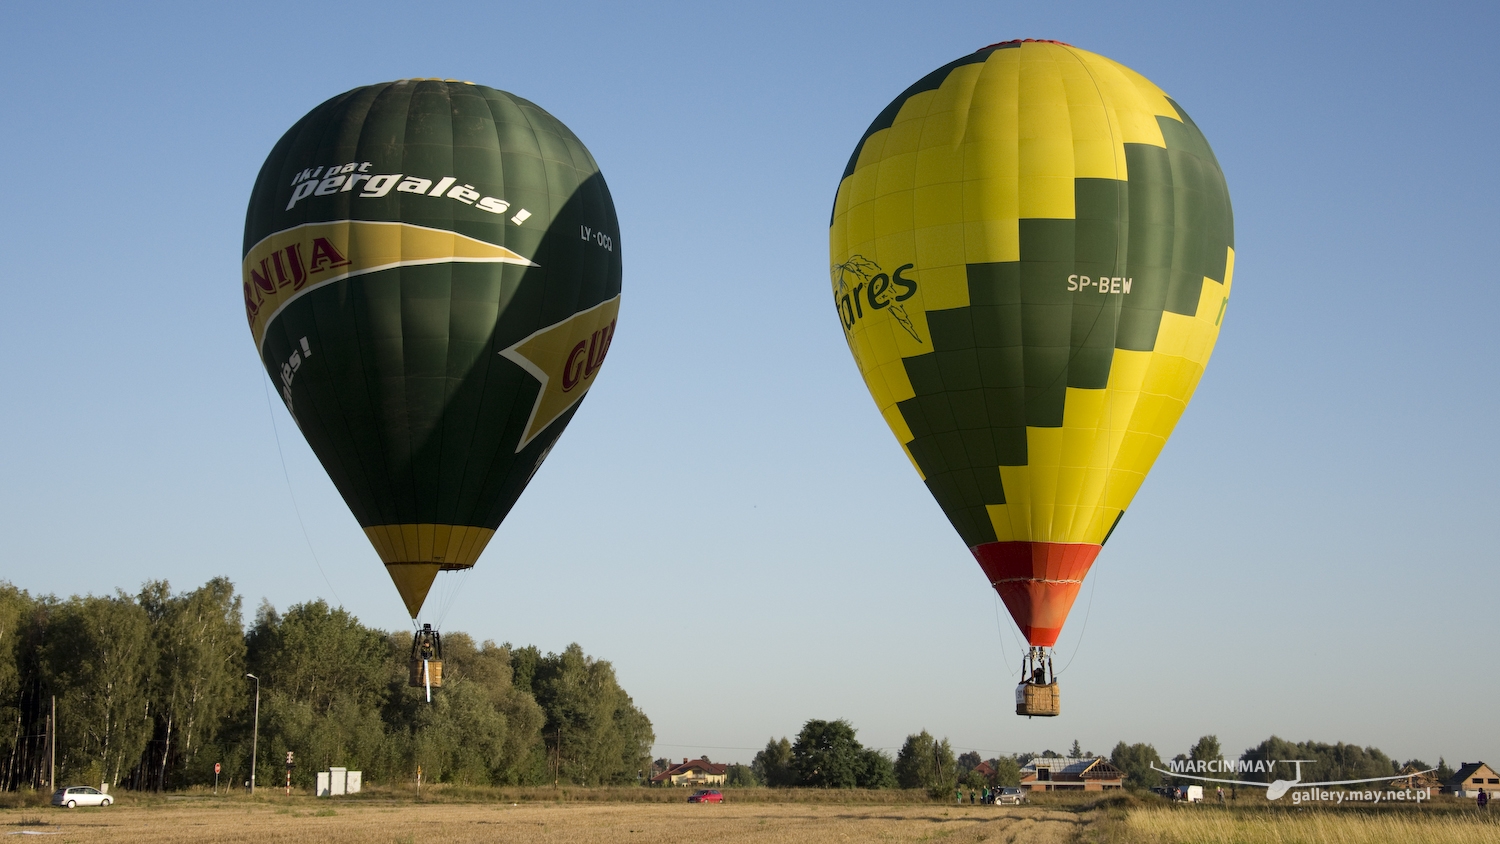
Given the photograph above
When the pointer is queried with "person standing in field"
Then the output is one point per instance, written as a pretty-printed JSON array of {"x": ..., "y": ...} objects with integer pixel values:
[
  {"x": 1221, "y": 794},
  {"x": 1484, "y": 800},
  {"x": 958, "y": 796}
]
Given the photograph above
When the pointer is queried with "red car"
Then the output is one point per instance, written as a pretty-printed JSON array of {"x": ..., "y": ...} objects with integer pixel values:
[{"x": 706, "y": 795}]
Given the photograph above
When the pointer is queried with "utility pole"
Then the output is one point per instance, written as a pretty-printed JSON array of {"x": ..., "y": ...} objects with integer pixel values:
[
  {"x": 255, "y": 733},
  {"x": 52, "y": 752}
]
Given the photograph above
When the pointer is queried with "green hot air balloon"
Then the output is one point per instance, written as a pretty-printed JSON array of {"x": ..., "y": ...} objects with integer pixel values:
[{"x": 431, "y": 275}]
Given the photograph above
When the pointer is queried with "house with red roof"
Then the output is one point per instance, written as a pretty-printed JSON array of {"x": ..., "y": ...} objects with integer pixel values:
[{"x": 693, "y": 773}]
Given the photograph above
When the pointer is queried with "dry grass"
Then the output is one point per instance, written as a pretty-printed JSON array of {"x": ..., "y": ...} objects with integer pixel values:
[
  {"x": 580, "y": 815},
  {"x": 1201, "y": 825},
  {"x": 450, "y": 793},
  {"x": 299, "y": 820}
]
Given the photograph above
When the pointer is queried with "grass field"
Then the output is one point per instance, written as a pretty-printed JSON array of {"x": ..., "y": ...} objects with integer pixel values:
[
  {"x": 592, "y": 816},
  {"x": 1169, "y": 826}
]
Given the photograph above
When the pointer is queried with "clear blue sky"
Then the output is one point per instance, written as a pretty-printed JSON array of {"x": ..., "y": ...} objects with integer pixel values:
[{"x": 727, "y": 519}]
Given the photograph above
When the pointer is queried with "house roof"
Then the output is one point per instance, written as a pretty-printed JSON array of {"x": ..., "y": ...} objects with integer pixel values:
[
  {"x": 688, "y": 765},
  {"x": 1467, "y": 770},
  {"x": 1090, "y": 767},
  {"x": 1416, "y": 774},
  {"x": 984, "y": 769}
]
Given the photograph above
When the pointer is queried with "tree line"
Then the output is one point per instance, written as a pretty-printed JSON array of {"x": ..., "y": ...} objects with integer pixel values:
[
  {"x": 826, "y": 754},
  {"x": 152, "y": 690},
  {"x": 1331, "y": 762}
]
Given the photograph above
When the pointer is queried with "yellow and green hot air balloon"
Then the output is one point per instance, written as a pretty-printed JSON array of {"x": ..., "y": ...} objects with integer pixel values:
[
  {"x": 1031, "y": 254},
  {"x": 431, "y": 275}
]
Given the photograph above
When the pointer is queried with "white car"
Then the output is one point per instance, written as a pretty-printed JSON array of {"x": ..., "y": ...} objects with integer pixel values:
[
  {"x": 1011, "y": 796},
  {"x": 80, "y": 795}
]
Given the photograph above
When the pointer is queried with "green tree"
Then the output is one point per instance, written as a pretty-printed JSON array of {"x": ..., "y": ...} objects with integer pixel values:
[
  {"x": 460, "y": 736},
  {"x": 1136, "y": 761},
  {"x": 487, "y": 731},
  {"x": 197, "y": 682},
  {"x": 1443, "y": 772},
  {"x": 490, "y": 667},
  {"x": 924, "y": 762},
  {"x": 968, "y": 761},
  {"x": 323, "y": 682},
  {"x": 1332, "y": 761},
  {"x": 827, "y": 755},
  {"x": 1206, "y": 749},
  {"x": 1007, "y": 771},
  {"x": 594, "y": 733},
  {"x": 523, "y": 664},
  {"x": 97, "y": 658},
  {"x": 316, "y": 654},
  {"x": 151, "y": 692},
  {"x": 773, "y": 766},
  {"x": 15, "y": 606},
  {"x": 740, "y": 776},
  {"x": 876, "y": 770},
  {"x": 1076, "y": 751}
]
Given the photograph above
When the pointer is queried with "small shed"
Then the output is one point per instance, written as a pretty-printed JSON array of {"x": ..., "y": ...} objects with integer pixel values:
[{"x": 336, "y": 782}]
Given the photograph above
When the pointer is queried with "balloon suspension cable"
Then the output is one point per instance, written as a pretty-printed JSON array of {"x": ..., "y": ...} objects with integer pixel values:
[
  {"x": 291, "y": 493},
  {"x": 448, "y": 594},
  {"x": 1036, "y": 667},
  {"x": 1088, "y": 611},
  {"x": 1000, "y": 627}
]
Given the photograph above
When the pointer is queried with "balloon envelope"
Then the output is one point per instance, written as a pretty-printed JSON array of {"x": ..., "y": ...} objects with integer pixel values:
[
  {"x": 1031, "y": 254},
  {"x": 431, "y": 275}
]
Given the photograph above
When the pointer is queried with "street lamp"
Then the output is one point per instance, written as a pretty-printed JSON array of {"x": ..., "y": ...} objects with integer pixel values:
[{"x": 255, "y": 734}]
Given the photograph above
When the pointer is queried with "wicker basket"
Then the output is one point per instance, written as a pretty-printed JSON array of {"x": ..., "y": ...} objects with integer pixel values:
[
  {"x": 414, "y": 676},
  {"x": 1036, "y": 699}
]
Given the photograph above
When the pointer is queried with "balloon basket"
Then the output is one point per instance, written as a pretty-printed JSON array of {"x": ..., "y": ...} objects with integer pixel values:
[
  {"x": 1038, "y": 699},
  {"x": 425, "y": 668},
  {"x": 417, "y": 679},
  {"x": 1037, "y": 694}
]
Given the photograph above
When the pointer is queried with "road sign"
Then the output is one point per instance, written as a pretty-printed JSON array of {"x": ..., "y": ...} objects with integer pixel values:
[
  {"x": 289, "y": 762},
  {"x": 216, "y": 767}
]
